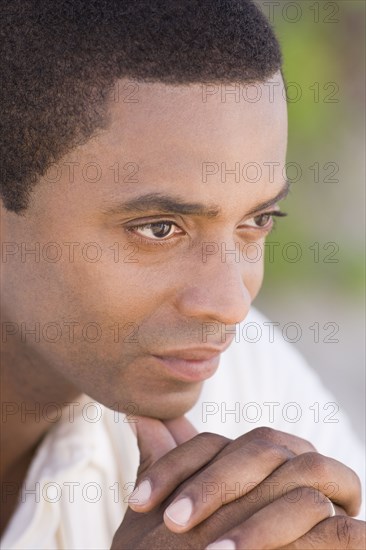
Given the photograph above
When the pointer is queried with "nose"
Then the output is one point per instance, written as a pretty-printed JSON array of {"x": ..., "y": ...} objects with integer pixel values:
[{"x": 216, "y": 292}]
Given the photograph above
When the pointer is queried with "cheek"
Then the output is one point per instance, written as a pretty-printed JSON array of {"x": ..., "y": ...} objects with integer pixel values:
[
  {"x": 253, "y": 276},
  {"x": 121, "y": 290}
]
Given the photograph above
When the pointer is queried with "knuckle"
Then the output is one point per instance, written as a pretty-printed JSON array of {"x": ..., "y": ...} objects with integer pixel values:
[
  {"x": 311, "y": 446},
  {"x": 355, "y": 486},
  {"x": 309, "y": 494},
  {"x": 264, "y": 433},
  {"x": 270, "y": 452},
  {"x": 358, "y": 484},
  {"x": 277, "y": 454},
  {"x": 312, "y": 499},
  {"x": 316, "y": 499},
  {"x": 210, "y": 436},
  {"x": 209, "y": 439},
  {"x": 343, "y": 531},
  {"x": 315, "y": 464}
]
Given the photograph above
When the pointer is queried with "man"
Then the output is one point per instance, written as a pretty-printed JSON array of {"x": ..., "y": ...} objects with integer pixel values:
[{"x": 115, "y": 210}]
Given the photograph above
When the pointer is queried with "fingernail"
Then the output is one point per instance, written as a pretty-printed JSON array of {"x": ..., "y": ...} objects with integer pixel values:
[
  {"x": 142, "y": 493},
  {"x": 180, "y": 511},
  {"x": 221, "y": 545}
]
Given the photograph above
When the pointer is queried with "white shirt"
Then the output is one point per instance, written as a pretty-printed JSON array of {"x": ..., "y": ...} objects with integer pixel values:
[{"x": 76, "y": 489}]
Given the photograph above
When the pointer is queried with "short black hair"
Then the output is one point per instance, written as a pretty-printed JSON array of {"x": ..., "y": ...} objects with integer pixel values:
[{"x": 61, "y": 58}]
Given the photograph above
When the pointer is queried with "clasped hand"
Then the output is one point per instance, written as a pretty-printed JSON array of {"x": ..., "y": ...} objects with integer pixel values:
[{"x": 265, "y": 489}]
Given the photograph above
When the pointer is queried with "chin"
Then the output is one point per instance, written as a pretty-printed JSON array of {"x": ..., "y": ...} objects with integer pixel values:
[{"x": 166, "y": 407}]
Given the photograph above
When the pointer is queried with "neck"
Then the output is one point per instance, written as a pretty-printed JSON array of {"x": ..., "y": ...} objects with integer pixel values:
[{"x": 33, "y": 397}]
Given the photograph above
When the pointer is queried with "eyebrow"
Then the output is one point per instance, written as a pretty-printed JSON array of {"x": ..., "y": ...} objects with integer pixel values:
[
  {"x": 169, "y": 204},
  {"x": 280, "y": 195}
]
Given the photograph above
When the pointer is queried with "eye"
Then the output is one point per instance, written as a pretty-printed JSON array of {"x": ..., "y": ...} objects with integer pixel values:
[
  {"x": 262, "y": 221},
  {"x": 155, "y": 231}
]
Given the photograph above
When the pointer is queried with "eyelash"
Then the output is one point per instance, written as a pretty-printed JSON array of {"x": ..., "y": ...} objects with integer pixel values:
[{"x": 168, "y": 241}]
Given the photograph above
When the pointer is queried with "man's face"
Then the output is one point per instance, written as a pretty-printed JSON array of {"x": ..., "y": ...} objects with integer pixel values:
[{"x": 108, "y": 296}]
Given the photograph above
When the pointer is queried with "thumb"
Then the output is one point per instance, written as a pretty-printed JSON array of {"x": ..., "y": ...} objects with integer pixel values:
[{"x": 154, "y": 441}]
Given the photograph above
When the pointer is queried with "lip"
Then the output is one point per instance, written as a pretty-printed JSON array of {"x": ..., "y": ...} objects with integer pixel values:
[
  {"x": 192, "y": 354},
  {"x": 191, "y": 364}
]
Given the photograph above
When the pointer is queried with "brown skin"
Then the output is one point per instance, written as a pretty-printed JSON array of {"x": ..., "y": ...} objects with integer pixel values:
[
  {"x": 273, "y": 514},
  {"x": 168, "y": 294}
]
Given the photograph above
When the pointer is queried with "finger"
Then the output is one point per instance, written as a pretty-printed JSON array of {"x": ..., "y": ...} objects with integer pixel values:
[
  {"x": 308, "y": 470},
  {"x": 237, "y": 504},
  {"x": 181, "y": 429},
  {"x": 175, "y": 469},
  {"x": 332, "y": 478},
  {"x": 279, "y": 523},
  {"x": 167, "y": 473},
  {"x": 295, "y": 444},
  {"x": 225, "y": 479},
  {"x": 335, "y": 533},
  {"x": 154, "y": 440},
  {"x": 253, "y": 457}
]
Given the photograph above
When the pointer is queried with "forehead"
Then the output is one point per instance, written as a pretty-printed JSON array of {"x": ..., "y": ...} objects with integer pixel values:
[
  {"x": 174, "y": 139},
  {"x": 199, "y": 120}
]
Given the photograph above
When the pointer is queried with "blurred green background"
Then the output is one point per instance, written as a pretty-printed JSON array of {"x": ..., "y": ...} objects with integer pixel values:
[{"x": 323, "y": 45}]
